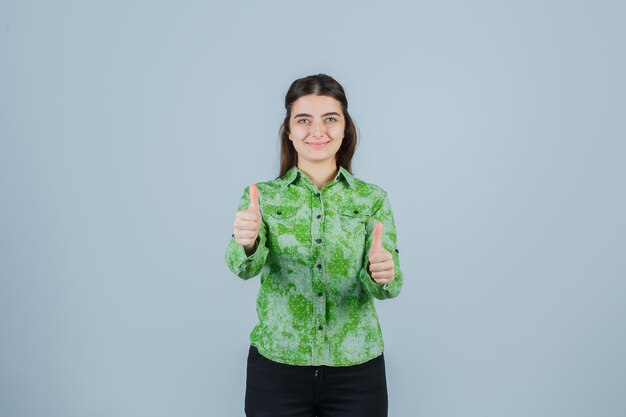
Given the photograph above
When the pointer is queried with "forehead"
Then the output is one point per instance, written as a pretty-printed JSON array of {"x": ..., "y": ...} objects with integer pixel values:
[{"x": 314, "y": 104}]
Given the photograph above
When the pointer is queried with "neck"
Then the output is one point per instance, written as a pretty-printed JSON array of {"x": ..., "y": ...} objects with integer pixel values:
[{"x": 321, "y": 173}]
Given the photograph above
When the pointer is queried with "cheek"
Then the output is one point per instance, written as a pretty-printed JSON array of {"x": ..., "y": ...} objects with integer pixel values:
[
  {"x": 336, "y": 132},
  {"x": 297, "y": 132}
]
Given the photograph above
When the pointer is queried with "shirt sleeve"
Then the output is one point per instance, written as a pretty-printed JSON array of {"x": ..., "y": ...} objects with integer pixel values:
[
  {"x": 389, "y": 242},
  {"x": 238, "y": 262}
]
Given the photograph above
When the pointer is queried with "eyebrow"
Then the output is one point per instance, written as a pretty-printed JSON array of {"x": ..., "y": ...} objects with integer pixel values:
[{"x": 323, "y": 115}]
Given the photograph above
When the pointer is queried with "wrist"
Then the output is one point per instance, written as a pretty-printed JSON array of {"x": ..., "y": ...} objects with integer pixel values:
[{"x": 250, "y": 249}]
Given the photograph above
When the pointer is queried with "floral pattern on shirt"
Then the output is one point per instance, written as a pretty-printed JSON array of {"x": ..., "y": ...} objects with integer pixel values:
[{"x": 316, "y": 301}]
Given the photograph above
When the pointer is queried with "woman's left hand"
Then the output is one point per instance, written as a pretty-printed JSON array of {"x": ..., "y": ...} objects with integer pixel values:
[{"x": 381, "y": 261}]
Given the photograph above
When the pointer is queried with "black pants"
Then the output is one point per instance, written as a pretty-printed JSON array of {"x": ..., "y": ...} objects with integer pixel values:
[{"x": 279, "y": 390}]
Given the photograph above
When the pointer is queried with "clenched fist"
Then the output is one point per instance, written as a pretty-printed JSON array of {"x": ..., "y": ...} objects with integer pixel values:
[
  {"x": 247, "y": 223},
  {"x": 381, "y": 261}
]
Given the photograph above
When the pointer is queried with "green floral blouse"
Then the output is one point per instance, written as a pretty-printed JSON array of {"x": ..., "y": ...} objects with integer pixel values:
[{"x": 316, "y": 301}]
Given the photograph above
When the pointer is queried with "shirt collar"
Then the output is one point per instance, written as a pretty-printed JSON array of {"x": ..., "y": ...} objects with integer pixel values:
[{"x": 291, "y": 175}]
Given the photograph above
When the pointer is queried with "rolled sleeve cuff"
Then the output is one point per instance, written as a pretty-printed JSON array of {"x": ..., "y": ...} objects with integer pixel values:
[
  {"x": 240, "y": 263},
  {"x": 378, "y": 291}
]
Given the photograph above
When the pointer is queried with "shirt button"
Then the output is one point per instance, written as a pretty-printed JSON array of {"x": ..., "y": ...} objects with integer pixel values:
[
  {"x": 397, "y": 251},
  {"x": 319, "y": 294},
  {"x": 320, "y": 327},
  {"x": 279, "y": 212},
  {"x": 233, "y": 235},
  {"x": 319, "y": 266},
  {"x": 319, "y": 216},
  {"x": 356, "y": 212},
  {"x": 318, "y": 240}
]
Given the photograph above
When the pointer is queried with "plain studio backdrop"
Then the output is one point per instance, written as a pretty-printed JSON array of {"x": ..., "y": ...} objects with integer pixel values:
[{"x": 130, "y": 129}]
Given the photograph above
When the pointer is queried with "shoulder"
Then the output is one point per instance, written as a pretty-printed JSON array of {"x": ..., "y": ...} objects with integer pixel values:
[
  {"x": 365, "y": 188},
  {"x": 266, "y": 189},
  {"x": 274, "y": 185},
  {"x": 369, "y": 194}
]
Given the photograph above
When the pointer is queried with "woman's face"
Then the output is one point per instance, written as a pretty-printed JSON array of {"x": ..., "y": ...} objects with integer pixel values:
[{"x": 316, "y": 127}]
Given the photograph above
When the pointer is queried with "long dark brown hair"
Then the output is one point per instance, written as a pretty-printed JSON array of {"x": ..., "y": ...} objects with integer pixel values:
[{"x": 321, "y": 85}]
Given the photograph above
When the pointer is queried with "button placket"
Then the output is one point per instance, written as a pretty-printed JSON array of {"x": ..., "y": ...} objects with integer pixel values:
[{"x": 317, "y": 227}]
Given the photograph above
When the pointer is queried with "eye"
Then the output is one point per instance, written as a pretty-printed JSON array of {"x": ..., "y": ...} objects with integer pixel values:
[
  {"x": 333, "y": 118},
  {"x": 302, "y": 120}
]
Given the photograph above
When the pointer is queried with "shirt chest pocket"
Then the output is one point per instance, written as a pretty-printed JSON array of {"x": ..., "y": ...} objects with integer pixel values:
[
  {"x": 354, "y": 220},
  {"x": 281, "y": 219},
  {"x": 281, "y": 223}
]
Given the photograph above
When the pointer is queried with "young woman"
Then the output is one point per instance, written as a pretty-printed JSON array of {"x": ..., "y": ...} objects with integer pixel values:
[{"x": 324, "y": 243}]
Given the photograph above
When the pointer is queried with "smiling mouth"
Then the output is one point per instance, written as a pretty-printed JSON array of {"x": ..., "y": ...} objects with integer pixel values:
[{"x": 317, "y": 145}]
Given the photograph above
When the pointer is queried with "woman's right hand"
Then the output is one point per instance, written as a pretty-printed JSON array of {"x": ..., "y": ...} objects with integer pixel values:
[{"x": 247, "y": 223}]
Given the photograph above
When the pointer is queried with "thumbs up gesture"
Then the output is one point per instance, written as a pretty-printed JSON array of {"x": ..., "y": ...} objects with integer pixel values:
[
  {"x": 381, "y": 261},
  {"x": 248, "y": 221}
]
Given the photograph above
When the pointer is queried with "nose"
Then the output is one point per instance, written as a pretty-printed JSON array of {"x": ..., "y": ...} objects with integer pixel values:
[{"x": 317, "y": 128}]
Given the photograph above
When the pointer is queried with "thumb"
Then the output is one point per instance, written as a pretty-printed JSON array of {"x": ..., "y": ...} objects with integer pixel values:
[
  {"x": 377, "y": 239},
  {"x": 254, "y": 198}
]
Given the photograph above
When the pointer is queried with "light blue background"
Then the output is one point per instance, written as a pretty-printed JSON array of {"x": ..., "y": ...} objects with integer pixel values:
[{"x": 129, "y": 130}]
